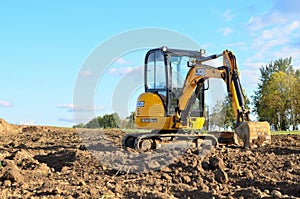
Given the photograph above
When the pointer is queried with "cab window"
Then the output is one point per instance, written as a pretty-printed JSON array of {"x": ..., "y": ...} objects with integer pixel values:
[{"x": 156, "y": 72}]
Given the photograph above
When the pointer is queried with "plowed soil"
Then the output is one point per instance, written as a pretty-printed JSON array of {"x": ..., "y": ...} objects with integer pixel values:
[{"x": 48, "y": 162}]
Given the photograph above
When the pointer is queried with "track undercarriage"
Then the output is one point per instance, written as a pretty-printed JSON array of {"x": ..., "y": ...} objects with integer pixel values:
[{"x": 168, "y": 139}]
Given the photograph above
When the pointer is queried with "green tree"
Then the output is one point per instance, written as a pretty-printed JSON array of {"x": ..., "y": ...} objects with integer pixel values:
[
  {"x": 80, "y": 125},
  {"x": 230, "y": 119},
  {"x": 207, "y": 117},
  {"x": 277, "y": 97},
  {"x": 110, "y": 121},
  {"x": 294, "y": 100},
  {"x": 223, "y": 116},
  {"x": 116, "y": 121},
  {"x": 216, "y": 118},
  {"x": 93, "y": 124},
  {"x": 131, "y": 121},
  {"x": 100, "y": 121},
  {"x": 107, "y": 121}
]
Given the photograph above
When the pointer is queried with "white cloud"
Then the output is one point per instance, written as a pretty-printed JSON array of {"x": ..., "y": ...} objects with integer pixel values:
[
  {"x": 250, "y": 77},
  {"x": 289, "y": 51},
  {"x": 293, "y": 26},
  {"x": 262, "y": 21},
  {"x": 30, "y": 123},
  {"x": 208, "y": 45},
  {"x": 80, "y": 108},
  {"x": 281, "y": 13},
  {"x": 120, "y": 71},
  {"x": 121, "y": 60},
  {"x": 86, "y": 73},
  {"x": 250, "y": 63},
  {"x": 69, "y": 106},
  {"x": 5, "y": 103},
  {"x": 225, "y": 31},
  {"x": 274, "y": 40},
  {"x": 274, "y": 35},
  {"x": 268, "y": 34},
  {"x": 228, "y": 15}
]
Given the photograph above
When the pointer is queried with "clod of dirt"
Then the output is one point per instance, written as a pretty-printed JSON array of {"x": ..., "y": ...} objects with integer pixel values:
[
  {"x": 166, "y": 176},
  {"x": 287, "y": 164},
  {"x": 205, "y": 165},
  {"x": 203, "y": 187},
  {"x": 7, "y": 183},
  {"x": 200, "y": 168},
  {"x": 165, "y": 169},
  {"x": 82, "y": 147},
  {"x": 29, "y": 129},
  {"x": 22, "y": 155},
  {"x": 249, "y": 192},
  {"x": 6, "y": 128},
  {"x": 221, "y": 176},
  {"x": 13, "y": 174},
  {"x": 276, "y": 194},
  {"x": 186, "y": 179},
  {"x": 248, "y": 174},
  {"x": 216, "y": 163}
]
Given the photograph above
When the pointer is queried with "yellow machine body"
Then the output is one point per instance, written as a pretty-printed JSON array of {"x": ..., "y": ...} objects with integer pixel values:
[
  {"x": 150, "y": 114},
  {"x": 174, "y": 96}
]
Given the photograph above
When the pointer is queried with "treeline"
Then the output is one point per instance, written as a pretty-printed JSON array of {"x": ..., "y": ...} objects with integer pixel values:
[
  {"x": 108, "y": 121},
  {"x": 277, "y": 98}
]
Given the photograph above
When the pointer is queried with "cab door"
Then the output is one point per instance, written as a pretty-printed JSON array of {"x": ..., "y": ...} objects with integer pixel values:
[{"x": 155, "y": 74}]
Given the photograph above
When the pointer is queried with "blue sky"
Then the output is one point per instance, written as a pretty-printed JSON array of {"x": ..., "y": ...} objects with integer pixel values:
[{"x": 44, "y": 44}]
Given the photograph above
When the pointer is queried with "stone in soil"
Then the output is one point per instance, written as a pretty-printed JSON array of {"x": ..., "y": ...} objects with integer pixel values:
[
  {"x": 276, "y": 194},
  {"x": 13, "y": 174}
]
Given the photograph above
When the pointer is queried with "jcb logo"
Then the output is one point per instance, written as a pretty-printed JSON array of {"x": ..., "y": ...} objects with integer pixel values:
[
  {"x": 200, "y": 71},
  {"x": 140, "y": 104}
]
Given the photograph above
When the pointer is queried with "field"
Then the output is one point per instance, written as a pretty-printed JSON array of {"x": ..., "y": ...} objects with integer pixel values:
[{"x": 49, "y": 162}]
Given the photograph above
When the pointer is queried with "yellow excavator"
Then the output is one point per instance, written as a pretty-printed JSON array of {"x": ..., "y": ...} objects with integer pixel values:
[{"x": 172, "y": 105}]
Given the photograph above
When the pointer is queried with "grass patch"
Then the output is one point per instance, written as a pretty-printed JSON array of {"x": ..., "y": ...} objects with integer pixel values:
[{"x": 284, "y": 132}]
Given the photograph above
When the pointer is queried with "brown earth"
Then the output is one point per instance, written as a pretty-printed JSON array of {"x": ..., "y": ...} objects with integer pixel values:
[{"x": 48, "y": 162}]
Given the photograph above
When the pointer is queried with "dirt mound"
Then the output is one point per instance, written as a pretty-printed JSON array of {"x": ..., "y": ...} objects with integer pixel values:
[
  {"x": 6, "y": 128},
  {"x": 45, "y": 162}
]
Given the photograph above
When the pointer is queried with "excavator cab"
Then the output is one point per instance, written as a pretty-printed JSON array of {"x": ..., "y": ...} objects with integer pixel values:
[{"x": 165, "y": 74}]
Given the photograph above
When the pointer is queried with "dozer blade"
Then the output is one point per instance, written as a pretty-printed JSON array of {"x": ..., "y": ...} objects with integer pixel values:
[
  {"x": 254, "y": 133},
  {"x": 224, "y": 137}
]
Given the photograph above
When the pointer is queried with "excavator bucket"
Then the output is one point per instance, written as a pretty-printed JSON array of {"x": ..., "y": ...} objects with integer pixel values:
[{"x": 254, "y": 133}]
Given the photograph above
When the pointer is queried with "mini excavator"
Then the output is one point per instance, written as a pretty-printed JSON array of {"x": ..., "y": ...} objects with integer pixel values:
[{"x": 172, "y": 105}]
